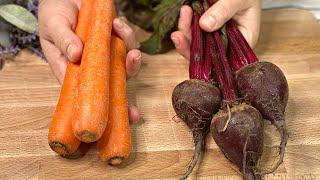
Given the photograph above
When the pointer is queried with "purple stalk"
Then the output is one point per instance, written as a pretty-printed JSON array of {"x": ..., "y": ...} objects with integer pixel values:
[
  {"x": 196, "y": 48},
  {"x": 200, "y": 66},
  {"x": 241, "y": 42},
  {"x": 211, "y": 2},
  {"x": 207, "y": 68},
  {"x": 236, "y": 57},
  {"x": 222, "y": 69}
]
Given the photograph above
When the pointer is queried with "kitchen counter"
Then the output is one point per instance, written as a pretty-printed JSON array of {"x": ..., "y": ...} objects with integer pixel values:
[{"x": 162, "y": 145}]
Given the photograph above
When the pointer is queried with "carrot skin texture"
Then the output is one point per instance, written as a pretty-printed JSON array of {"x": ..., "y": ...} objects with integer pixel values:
[
  {"x": 115, "y": 144},
  {"x": 61, "y": 138},
  {"x": 93, "y": 101}
]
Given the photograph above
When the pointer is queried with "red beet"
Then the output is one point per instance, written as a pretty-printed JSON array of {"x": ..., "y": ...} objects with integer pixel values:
[
  {"x": 237, "y": 131},
  {"x": 195, "y": 102},
  {"x": 239, "y": 134},
  {"x": 262, "y": 84}
]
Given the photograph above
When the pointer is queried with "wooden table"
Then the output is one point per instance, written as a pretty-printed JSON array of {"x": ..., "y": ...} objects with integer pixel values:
[{"x": 162, "y": 146}]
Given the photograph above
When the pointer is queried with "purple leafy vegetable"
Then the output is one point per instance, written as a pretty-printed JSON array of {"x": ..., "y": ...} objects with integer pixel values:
[{"x": 15, "y": 37}]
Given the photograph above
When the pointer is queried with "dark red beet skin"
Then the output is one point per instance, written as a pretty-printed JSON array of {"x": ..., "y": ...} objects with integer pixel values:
[
  {"x": 237, "y": 131},
  {"x": 265, "y": 86},
  {"x": 195, "y": 102},
  {"x": 242, "y": 140}
]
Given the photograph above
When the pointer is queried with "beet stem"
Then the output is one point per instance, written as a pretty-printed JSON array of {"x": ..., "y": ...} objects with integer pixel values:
[
  {"x": 222, "y": 69},
  {"x": 245, "y": 56},
  {"x": 236, "y": 56},
  {"x": 251, "y": 56},
  {"x": 199, "y": 145},
  {"x": 211, "y": 2},
  {"x": 196, "y": 54},
  {"x": 197, "y": 63}
]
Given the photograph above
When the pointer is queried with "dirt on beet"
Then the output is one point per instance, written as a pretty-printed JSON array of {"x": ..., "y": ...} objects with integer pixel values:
[
  {"x": 264, "y": 85},
  {"x": 195, "y": 102},
  {"x": 238, "y": 132}
]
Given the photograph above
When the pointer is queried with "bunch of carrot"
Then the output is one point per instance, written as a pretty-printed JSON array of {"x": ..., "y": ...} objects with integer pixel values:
[{"x": 93, "y": 105}]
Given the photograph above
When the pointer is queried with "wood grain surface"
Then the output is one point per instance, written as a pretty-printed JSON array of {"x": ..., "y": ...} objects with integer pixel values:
[{"x": 162, "y": 144}]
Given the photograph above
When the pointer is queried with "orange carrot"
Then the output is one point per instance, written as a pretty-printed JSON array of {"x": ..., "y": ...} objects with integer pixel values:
[
  {"x": 93, "y": 100},
  {"x": 115, "y": 144},
  {"x": 61, "y": 138}
]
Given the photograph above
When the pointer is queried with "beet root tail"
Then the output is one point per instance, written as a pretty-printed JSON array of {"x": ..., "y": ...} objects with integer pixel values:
[
  {"x": 249, "y": 164},
  {"x": 252, "y": 175},
  {"x": 281, "y": 127},
  {"x": 196, "y": 156}
]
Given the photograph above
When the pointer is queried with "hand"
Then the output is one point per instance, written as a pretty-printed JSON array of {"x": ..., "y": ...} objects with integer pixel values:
[
  {"x": 245, "y": 12},
  {"x": 57, "y": 21}
]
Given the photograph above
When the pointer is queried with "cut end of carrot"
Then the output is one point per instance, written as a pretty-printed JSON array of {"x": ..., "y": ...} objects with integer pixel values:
[
  {"x": 86, "y": 136},
  {"x": 59, "y": 148},
  {"x": 80, "y": 152},
  {"x": 115, "y": 161}
]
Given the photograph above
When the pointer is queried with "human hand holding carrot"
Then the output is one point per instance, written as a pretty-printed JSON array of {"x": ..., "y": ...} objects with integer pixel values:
[{"x": 58, "y": 20}]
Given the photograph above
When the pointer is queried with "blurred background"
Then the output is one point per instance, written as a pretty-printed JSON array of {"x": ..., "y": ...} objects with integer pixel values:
[{"x": 310, "y": 5}]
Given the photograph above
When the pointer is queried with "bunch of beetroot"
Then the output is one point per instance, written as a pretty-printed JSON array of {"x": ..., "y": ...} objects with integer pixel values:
[{"x": 230, "y": 92}]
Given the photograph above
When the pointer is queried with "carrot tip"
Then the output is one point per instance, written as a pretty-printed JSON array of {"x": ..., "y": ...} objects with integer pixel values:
[
  {"x": 65, "y": 152},
  {"x": 86, "y": 136},
  {"x": 115, "y": 161},
  {"x": 59, "y": 148}
]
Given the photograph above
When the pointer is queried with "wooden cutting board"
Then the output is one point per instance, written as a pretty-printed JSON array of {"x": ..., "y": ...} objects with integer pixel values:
[{"x": 163, "y": 145}]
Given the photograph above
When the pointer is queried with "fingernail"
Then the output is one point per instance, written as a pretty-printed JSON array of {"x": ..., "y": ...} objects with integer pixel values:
[
  {"x": 176, "y": 41},
  {"x": 209, "y": 22},
  {"x": 72, "y": 50},
  {"x": 119, "y": 23},
  {"x": 182, "y": 11},
  {"x": 137, "y": 59},
  {"x": 139, "y": 56}
]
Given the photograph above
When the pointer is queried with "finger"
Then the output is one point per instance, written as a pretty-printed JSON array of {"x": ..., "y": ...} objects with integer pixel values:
[
  {"x": 181, "y": 43},
  {"x": 249, "y": 23},
  {"x": 134, "y": 114},
  {"x": 185, "y": 20},
  {"x": 126, "y": 33},
  {"x": 57, "y": 21},
  {"x": 56, "y": 60},
  {"x": 248, "y": 35},
  {"x": 133, "y": 63},
  {"x": 219, "y": 13},
  {"x": 61, "y": 33}
]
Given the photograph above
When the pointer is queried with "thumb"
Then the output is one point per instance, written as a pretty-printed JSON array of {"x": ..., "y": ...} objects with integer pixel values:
[
  {"x": 62, "y": 35},
  {"x": 218, "y": 14}
]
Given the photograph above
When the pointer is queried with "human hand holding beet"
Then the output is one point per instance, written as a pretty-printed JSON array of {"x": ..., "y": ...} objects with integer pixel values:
[
  {"x": 250, "y": 90},
  {"x": 245, "y": 13}
]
